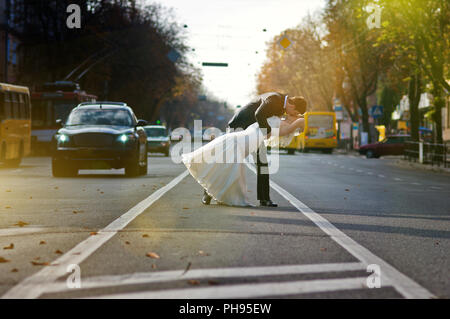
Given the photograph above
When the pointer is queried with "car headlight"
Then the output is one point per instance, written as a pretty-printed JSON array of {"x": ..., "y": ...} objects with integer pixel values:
[
  {"x": 63, "y": 138},
  {"x": 125, "y": 138}
]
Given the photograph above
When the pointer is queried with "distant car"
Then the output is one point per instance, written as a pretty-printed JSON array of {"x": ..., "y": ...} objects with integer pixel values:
[
  {"x": 158, "y": 139},
  {"x": 100, "y": 135},
  {"x": 391, "y": 145}
]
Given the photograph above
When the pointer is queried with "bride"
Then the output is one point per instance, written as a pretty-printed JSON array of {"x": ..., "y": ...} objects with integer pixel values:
[{"x": 219, "y": 166}]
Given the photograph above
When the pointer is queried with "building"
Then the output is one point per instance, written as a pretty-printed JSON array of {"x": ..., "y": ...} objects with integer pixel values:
[{"x": 9, "y": 42}]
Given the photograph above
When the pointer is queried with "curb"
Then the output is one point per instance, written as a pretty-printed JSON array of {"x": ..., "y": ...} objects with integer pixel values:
[{"x": 407, "y": 164}]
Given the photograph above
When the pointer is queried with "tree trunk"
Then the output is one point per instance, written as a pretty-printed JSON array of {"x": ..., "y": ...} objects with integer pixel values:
[
  {"x": 439, "y": 103},
  {"x": 414, "y": 99},
  {"x": 365, "y": 117}
]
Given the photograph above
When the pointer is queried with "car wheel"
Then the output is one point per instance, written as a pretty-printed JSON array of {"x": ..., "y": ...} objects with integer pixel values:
[
  {"x": 61, "y": 169},
  {"x": 132, "y": 168},
  {"x": 370, "y": 154}
]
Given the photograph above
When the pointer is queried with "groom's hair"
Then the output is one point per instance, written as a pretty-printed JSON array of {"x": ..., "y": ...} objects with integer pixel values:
[{"x": 299, "y": 102}]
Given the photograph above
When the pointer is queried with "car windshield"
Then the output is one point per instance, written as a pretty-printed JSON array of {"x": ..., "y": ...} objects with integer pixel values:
[
  {"x": 155, "y": 131},
  {"x": 100, "y": 117}
]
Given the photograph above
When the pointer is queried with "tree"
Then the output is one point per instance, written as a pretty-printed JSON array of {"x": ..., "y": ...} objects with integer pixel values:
[{"x": 122, "y": 50}]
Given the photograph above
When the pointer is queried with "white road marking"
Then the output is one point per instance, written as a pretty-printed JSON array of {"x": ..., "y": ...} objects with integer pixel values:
[
  {"x": 369, "y": 173},
  {"x": 382, "y": 176},
  {"x": 398, "y": 179},
  {"x": 236, "y": 272},
  {"x": 403, "y": 284},
  {"x": 359, "y": 171},
  {"x": 35, "y": 285},
  {"x": 248, "y": 290},
  {"x": 435, "y": 187},
  {"x": 415, "y": 183},
  {"x": 20, "y": 231}
]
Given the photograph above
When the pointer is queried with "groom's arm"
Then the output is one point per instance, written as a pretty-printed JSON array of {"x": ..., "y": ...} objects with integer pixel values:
[{"x": 266, "y": 109}]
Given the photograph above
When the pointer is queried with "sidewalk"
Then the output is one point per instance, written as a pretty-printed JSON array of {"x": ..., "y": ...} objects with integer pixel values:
[{"x": 416, "y": 165}]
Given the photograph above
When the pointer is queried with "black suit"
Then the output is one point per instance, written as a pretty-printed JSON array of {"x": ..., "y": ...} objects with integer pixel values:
[{"x": 259, "y": 110}]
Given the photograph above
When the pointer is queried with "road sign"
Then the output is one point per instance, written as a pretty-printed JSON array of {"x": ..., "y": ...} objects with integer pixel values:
[{"x": 376, "y": 111}]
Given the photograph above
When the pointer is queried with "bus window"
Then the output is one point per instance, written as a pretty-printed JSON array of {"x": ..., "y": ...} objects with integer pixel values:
[
  {"x": 23, "y": 107},
  {"x": 2, "y": 106},
  {"x": 8, "y": 111},
  {"x": 15, "y": 105}
]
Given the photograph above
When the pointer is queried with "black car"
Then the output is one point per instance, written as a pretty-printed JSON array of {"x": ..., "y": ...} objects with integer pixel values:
[{"x": 100, "y": 135}]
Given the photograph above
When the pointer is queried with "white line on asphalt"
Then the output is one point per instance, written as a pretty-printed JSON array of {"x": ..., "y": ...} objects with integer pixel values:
[
  {"x": 435, "y": 187},
  {"x": 398, "y": 179},
  {"x": 382, "y": 176},
  {"x": 236, "y": 272},
  {"x": 20, "y": 231},
  {"x": 359, "y": 171},
  {"x": 403, "y": 284},
  {"x": 34, "y": 286},
  {"x": 415, "y": 183},
  {"x": 369, "y": 173},
  {"x": 248, "y": 290}
]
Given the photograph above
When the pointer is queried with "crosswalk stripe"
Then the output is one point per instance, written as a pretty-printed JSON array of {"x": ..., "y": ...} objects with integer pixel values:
[
  {"x": 248, "y": 290},
  {"x": 235, "y": 272}
]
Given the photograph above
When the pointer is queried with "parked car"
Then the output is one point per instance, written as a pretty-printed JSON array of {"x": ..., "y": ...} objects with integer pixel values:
[
  {"x": 100, "y": 135},
  {"x": 158, "y": 139},
  {"x": 391, "y": 145}
]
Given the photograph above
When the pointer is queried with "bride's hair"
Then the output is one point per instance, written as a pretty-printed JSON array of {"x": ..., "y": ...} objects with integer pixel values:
[{"x": 299, "y": 102}]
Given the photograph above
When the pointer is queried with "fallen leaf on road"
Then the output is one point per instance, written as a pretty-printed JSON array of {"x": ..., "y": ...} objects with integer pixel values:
[
  {"x": 213, "y": 282},
  {"x": 21, "y": 224},
  {"x": 202, "y": 253},
  {"x": 8, "y": 191},
  {"x": 252, "y": 213},
  {"x": 152, "y": 255},
  {"x": 145, "y": 236},
  {"x": 127, "y": 242},
  {"x": 11, "y": 246},
  {"x": 323, "y": 249},
  {"x": 31, "y": 197},
  {"x": 8, "y": 207},
  {"x": 35, "y": 263},
  {"x": 56, "y": 187},
  {"x": 93, "y": 233},
  {"x": 78, "y": 211},
  {"x": 101, "y": 192},
  {"x": 193, "y": 282},
  {"x": 59, "y": 252},
  {"x": 3, "y": 260},
  {"x": 15, "y": 270},
  {"x": 153, "y": 266},
  {"x": 42, "y": 242},
  {"x": 185, "y": 207},
  {"x": 347, "y": 190}
]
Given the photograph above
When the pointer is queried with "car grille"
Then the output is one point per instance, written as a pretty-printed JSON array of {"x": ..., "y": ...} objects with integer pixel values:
[{"x": 93, "y": 139}]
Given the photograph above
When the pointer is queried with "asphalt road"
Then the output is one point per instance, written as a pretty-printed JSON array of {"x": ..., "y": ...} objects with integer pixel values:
[{"x": 150, "y": 237}]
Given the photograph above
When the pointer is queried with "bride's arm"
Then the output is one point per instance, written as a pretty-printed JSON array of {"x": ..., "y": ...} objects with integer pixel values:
[{"x": 287, "y": 128}]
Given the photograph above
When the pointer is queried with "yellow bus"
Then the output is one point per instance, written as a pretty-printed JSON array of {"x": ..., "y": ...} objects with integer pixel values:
[
  {"x": 15, "y": 123},
  {"x": 319, "y": 133}
]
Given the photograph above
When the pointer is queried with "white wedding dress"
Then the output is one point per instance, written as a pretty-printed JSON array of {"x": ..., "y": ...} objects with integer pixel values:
[{"x": 219, "y": 166}]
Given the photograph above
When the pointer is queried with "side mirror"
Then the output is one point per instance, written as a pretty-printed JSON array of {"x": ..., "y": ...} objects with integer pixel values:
[
  {"x": 59, "y": 123},
  {"x": 141, "y": 123}
]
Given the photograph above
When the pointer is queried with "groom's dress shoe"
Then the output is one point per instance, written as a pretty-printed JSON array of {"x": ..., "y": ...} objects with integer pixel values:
[
  {"x": 267, "y": 203},
  {"x": 206, "y": 199}
]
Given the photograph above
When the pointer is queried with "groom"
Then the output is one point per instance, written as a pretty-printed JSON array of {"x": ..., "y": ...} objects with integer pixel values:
[{"x": 259, "y": 110}]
